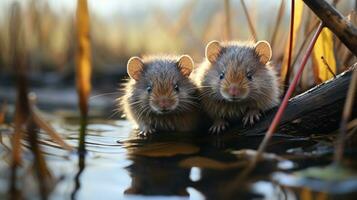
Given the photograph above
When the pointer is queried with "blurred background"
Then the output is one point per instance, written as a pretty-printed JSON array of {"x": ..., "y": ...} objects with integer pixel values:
[{"x": 121, "y": 29}]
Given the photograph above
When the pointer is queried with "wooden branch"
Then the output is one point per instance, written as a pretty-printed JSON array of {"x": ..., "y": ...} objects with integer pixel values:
[
  {"x": 317, "y": 110},
  {"x": 336, "y": 22}
]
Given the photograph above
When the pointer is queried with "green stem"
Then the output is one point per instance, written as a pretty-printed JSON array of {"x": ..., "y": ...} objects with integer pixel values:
[{"x": 82, "y": 133}]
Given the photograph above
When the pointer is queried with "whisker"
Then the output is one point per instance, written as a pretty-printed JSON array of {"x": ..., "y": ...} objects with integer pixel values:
[{"x": 100, "y": 95}]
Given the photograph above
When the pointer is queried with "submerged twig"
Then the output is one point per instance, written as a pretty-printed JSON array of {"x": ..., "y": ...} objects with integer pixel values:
[
  {"x": 81, "y": 165},
  {"x": 250, "y": 23},
  {"x": 346, "y": 115}
]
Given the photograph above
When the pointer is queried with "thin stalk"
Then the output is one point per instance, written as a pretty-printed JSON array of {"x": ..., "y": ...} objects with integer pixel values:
[
  {"x": 77, "y": 182},
  {"x": 82, "y": 133},
  {"x": 304, "y": 43},
  {"x": 83, "y": 67},
  {"x": 228, "y": 28},
  {"x": 22, "y": 103},
  {"x": 328, "y": 66},
  {"x": 250, "y": 23},
  {"x": 291, "y": 37},
  {"x": 43, "y": 175},
  {"x": 346, "y": 115},
  {"x": 279, "y": 17},
  {"x": 3, "y": 109},
  {"x": 287, "y": 96}
]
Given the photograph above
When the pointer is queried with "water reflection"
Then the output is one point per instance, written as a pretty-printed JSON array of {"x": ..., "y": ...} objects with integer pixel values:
[
  {"x": 81, "y": 165},
  {"x": 119, "y": 165}
]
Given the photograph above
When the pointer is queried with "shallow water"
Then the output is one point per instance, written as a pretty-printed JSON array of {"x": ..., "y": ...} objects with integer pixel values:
[{"x": 120, "y": 165}]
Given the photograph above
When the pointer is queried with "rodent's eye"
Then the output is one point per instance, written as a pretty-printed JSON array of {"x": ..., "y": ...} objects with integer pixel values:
[
  {"x": 221, "y": 76},
  {"x": 249, "y": 76},
  {"x": 149, "y": 89},
  {"x": 176, "y": 87}
]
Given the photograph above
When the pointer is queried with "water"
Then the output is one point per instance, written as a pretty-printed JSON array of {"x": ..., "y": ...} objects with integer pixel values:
[{"x": 120, "y": 165}]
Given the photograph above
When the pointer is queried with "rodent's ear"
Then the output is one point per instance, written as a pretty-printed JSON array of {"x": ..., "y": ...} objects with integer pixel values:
[
  {"x": 135, "y": 67},
  {"x": 185, "y": 64},
  {"x": 213, "y": 49},
  {"x": 263, "y": 49}
]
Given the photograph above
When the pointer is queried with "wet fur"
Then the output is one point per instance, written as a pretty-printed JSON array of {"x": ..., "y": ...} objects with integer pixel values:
[
  {"x": 162, "y": 73},
  {"x": 236, "y": 59}
]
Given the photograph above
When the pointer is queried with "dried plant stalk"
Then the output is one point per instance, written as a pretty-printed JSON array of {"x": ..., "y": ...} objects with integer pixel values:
[
  {"x": 295, "y": 21},
  {"x": 228, "y": 27},
  {"x": 279, "y": 17},
  {"x": 3, "y": 110},
  {"x": 43, "y": 174},
  {"x": 336, "y": 22},
  {"x": 83, "y": 65},
  {"x": 49, "y": 130},
  {"x": 250, "y": 23},
  {"x": 22, "y": 110}
]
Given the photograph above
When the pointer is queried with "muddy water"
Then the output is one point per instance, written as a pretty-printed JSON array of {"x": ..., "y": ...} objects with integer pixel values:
[{"x": 120, "y": 165}]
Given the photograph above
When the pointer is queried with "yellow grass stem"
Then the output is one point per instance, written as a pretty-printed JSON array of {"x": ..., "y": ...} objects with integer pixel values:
[
  {"x": 83, "y": 66},
  {"x": 228, "y": 27}
]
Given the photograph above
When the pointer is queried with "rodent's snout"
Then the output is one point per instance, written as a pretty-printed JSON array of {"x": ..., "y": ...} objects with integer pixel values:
[
  {"x": 163, "y": 104},
  {"x": 233, "y": 90}
]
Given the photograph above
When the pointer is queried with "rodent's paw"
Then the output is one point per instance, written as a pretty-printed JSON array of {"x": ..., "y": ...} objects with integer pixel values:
[
  {"x": 146, "y": 132},
  {"x": 218, "y": 127},
  {"x": 251, "y": 117}
]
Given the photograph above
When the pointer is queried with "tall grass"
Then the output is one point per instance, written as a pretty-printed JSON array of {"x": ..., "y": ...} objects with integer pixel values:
[
  {"x": 83, "y": 67},
  {"x": 24, "y": 123},
  {"x": 27, "y": 122}
]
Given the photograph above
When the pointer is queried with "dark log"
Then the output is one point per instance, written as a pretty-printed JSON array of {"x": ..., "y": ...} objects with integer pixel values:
[
  {"x": 315, "y": 111},
  {"x": 336, "y": 22}
]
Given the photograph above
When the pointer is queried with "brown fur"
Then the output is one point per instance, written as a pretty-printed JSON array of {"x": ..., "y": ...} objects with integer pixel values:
[
  {"x": 161, "y": 73},
  {"x": 236, "y": 60}
]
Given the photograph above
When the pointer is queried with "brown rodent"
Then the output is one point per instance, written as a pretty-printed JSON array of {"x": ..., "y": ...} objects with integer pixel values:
[
  {"x": 160, "y": 96},
  {"x": 236, "y": 81}
]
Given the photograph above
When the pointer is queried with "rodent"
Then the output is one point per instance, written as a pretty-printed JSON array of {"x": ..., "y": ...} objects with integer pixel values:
[
  {"x": 160, "y": 96},
  {"x": 235, "y": 81}
]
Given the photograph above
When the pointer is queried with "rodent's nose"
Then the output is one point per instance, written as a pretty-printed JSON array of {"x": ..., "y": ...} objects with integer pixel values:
[
  {"x": 164, "y": 103},
  {"x": 233, "y": 90}
]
